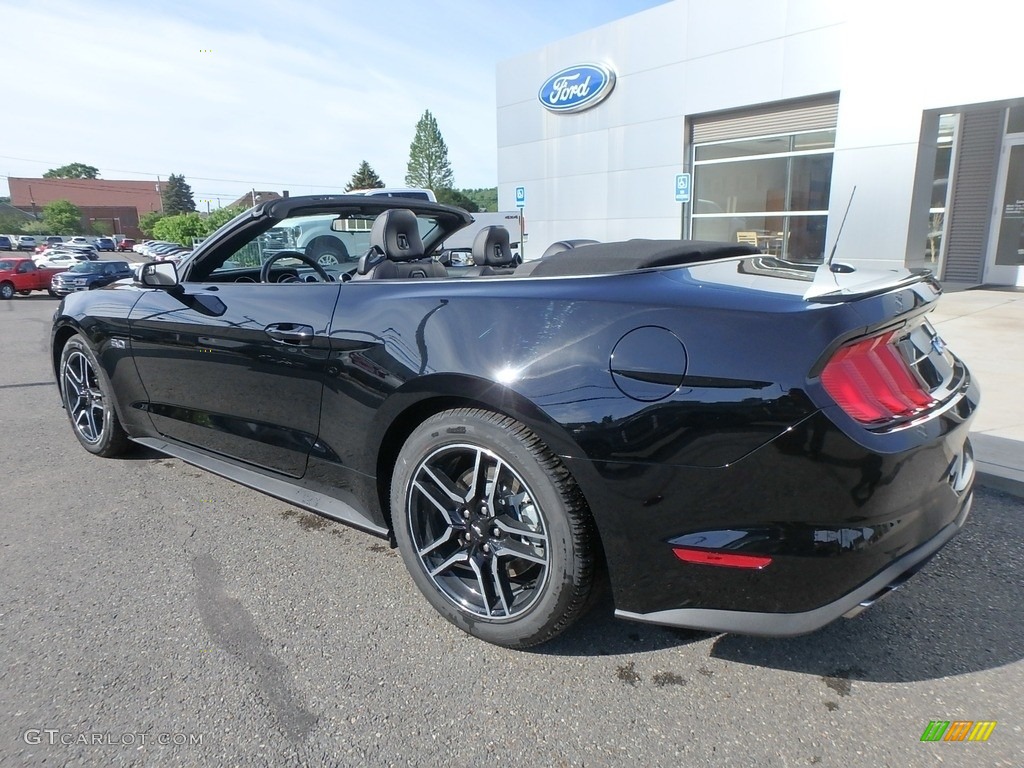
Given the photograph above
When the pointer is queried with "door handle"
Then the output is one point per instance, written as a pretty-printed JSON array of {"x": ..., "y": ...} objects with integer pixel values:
[{"x": 290, "y": 333}]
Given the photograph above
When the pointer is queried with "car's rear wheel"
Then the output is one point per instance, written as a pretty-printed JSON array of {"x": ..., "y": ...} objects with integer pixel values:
[
  {"x": 88, "y": 399},
  {"x": 6, "y": 291},
  {"x": 493, "y": 528}
]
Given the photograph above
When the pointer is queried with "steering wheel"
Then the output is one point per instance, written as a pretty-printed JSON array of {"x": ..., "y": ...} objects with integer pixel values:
[{"x": 309, "y": 261}]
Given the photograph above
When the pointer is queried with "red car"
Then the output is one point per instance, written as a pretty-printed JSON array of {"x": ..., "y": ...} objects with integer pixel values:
[
  {"x": 126, "y": 245},
  {"x": 23, "y": 276}
]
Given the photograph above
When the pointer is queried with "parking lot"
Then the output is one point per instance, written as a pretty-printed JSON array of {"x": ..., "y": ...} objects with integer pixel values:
[{"x": 155, "y": 614}]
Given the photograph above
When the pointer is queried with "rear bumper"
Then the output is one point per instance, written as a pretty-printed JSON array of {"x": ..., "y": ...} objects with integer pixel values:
[
  {"x": 789, "y": 624},
  {"x": 840, "y": 519}
]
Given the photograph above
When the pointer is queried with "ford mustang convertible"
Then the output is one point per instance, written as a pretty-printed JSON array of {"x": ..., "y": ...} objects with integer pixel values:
[{"x": 731, "y": 441}]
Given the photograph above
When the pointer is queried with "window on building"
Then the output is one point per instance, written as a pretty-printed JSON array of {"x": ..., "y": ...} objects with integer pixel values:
[
  {"x": 940, "y": 193},
  {"x": 1015, "y": 120},
  {"x": 763, "y": 176}
]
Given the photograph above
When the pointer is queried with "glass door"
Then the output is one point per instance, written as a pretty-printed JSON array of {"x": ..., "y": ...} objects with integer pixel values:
[{"x": 1005, "y": 263}]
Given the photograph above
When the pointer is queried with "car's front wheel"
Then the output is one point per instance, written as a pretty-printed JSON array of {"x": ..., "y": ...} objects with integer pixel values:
[
  {"x": 88, "y": 400},
  {"x": 493, "y": 528}
]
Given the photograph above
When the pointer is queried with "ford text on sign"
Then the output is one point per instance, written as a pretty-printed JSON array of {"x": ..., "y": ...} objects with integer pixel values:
[{"x": 577, "y": 88}]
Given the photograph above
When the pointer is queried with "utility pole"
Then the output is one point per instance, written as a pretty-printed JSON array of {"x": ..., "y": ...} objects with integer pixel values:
[{"x": 160, "y": 194}]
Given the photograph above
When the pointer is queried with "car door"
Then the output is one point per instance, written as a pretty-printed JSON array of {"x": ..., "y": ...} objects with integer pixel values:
[{"x": 236, "y": 368}]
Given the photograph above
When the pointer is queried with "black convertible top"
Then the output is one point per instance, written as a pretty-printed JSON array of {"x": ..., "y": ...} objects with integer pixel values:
[{"x": 602, "y": 258}]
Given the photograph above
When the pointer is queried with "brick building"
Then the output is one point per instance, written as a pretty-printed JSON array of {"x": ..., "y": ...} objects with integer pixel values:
[{"x": 118, "y": 203}]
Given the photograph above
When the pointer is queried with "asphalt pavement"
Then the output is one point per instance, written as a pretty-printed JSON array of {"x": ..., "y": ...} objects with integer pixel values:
[{"x": 154, "y": 614}]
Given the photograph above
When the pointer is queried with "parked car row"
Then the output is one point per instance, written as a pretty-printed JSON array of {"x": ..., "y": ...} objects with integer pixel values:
[
  {"x": 161, "y": 250},
  {"x": 64, "y": 255},
  {"x": 22, "y": 275},
  {"x": 31, "y": 242}
]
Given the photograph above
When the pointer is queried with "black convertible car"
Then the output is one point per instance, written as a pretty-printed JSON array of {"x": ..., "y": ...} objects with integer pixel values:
[{"x": 733, "y": 442}]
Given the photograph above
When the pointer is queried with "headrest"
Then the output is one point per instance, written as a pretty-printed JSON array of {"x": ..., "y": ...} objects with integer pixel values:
[
  {"x": 491, "y": 248},
  {"x": 397, "y": 234}
]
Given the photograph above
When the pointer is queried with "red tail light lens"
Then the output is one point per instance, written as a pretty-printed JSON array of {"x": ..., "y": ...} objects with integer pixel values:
[{"x": 871, "y": 381}]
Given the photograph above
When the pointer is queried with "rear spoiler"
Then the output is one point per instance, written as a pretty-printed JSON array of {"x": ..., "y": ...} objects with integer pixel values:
[{"x": 837, "y": 292}]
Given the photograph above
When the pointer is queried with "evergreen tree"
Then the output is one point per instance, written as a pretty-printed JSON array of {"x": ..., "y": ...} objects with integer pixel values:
[
  {"x": 177, "y": 196},
  {"x": 364, "y": 178},
  {"x": 428, "y": 157}
]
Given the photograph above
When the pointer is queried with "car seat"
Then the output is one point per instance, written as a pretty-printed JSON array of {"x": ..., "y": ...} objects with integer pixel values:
[
  {"x": 396, "y": 250},
  {"x": 492, "y": 254}
]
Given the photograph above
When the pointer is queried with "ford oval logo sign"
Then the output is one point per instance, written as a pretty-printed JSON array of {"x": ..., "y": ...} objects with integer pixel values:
[{"x": 574, "y": 89}]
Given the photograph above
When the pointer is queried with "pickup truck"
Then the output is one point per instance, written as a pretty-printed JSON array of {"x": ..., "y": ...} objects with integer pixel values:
[
  {"x": 88, "y": 275},
  {"x": 23, "y": 276}
]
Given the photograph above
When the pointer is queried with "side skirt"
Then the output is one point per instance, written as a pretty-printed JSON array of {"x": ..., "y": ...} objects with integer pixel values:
[{"x": 319, "y": 503}]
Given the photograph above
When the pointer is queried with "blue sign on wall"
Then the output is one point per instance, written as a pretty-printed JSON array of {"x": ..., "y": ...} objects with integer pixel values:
[
  {"x": 682, "y": 187},
  {"x": 520, "y": 197},
  {"x": 574, "y": 89}
]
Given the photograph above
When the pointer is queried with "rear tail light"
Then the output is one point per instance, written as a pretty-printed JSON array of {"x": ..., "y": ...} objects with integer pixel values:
[{"x": 871, "y": 381}]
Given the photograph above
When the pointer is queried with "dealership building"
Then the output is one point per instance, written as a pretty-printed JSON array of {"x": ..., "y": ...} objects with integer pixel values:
[{"x": 772, "y": 122}]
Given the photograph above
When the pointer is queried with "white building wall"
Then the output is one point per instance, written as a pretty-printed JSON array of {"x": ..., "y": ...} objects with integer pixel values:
[{"x": 608, "y": 172}]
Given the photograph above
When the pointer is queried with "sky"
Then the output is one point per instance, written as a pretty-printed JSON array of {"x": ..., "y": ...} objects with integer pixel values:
[{"x": 264, "y": 94}]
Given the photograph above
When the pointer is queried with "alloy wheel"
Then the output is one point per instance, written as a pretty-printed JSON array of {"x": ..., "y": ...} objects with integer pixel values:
[
  {"x": 478, "y": 532},
  {"x": 83, "y": 397}
]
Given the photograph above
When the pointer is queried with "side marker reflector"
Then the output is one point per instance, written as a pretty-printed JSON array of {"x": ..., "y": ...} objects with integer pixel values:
[{"x": 725, "y": 559}]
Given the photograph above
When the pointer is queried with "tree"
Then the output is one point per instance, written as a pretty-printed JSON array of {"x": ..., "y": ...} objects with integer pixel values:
[
  {"x": 148, "y": 220},
  {"x": 181, "y": 228},
  {"x": 221, "y": 216},
  {"x": 177, "y": 196},
  {"x": 456, "y": 197},
  {"x": 12, "y": 225},
  {"x": 428, "y": 157},
  {"x": 486, "y": 198},
  {"x": 73, "y": 171},
  {"x": 62, "y": 218},
  {"x": 364, "y": 178},
  {"x": 102, "y": 227}
]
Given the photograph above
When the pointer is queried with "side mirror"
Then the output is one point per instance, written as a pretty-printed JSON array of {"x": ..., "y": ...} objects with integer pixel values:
[{"x": 159, "y": 274}]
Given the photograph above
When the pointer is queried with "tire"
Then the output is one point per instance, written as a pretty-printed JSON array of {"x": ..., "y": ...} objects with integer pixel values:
[
  {"x": 51, "y": 292},
  {"x": 88, "y": 399},
  {"x": 512, "y": 562},
  {"x": 6, "y": 291},
  {"x": 328, "y": 251}
]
